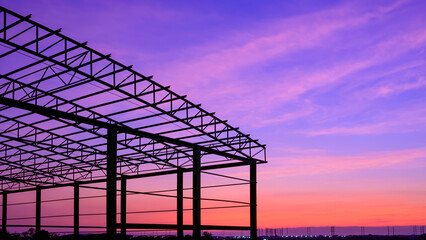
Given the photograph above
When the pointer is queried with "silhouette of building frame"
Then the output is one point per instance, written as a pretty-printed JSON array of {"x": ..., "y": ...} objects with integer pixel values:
[{"x": 71, "y": 116}]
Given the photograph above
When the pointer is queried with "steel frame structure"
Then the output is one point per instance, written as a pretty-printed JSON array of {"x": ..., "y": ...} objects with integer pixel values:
[{"x": 72, "y": 116}]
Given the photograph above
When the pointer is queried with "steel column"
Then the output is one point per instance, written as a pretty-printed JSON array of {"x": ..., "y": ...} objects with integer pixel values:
[
  {"x": 179, "y": 204},
  {"x": 38, "y": 213},
  {"x": 196, "y": 194},
  {"x": 111, "y": 198},
  {"x": 253, "y": 202},
  {"x": 123, "y": 211},
  {"x": 76, "y": 210},
  {"x": 4, "y": 214}
]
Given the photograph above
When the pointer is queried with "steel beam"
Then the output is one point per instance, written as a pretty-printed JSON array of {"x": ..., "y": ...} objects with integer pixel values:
[
  {"x": 179, "y": 204},
  {"x": 111, "y": 198},
  {"x": 143, "y": 175},
  {"x": 123, "y": 210},
  {"x": 185, "y": 227},
  {"x": 76, "y": 210},
  {"x": 60, "y": 114},
  {"x": 196, "y": 194},
  {"x": 253, "y": 202}
]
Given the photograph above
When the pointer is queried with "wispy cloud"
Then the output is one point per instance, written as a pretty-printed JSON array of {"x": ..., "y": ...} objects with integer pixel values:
[
  {"x": 393, "y": 88},
  {"x": 296, "y": 84},
  {"x": 314, "y": 164},
  {"x": 219, "y": 73},
  {"x": 398, "y": 121},
  {"x": 260, "y": 45}
]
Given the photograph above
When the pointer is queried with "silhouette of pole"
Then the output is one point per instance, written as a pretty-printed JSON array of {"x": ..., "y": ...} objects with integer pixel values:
[
  {"x": 38, "y": 213},
  {"x": 179, "y": 204},
  {"x": 76, "y": 210},
  {"x": 4, "y": 214},
  {"x": 253, "y": 202},
  {"x": 111, "y": 198},
  {"x": 123, "y": 210},
  {"x": 196, "y": 194}
]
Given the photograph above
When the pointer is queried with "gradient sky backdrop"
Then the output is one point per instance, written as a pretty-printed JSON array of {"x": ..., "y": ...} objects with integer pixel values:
[{"x": 336, "y": 89}]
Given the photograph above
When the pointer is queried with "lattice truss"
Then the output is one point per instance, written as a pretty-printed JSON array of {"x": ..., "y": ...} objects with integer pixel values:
[{"x": 40, "y": 66}]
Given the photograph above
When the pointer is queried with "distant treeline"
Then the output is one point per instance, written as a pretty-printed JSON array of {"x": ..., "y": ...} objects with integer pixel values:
[{"x": 45, "y": 235}]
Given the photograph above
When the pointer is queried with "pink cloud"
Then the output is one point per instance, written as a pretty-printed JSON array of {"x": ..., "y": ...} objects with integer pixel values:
[
  {"x": 294, "y": 85},
  {"x": 259, "y": 45},
  {"x": 382, "y": 52},
  {"x": 392, "y": 88},
  {"x": 397, "y": 121},
  {"x": 209, "y": 73},
  {"x": 376, "y": 128},
  {"x": 315, "y": 164}
]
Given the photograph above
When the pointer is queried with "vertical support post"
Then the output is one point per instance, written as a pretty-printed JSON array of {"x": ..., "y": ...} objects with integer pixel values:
[
  {"x": 196, "y": 194},
  {"x": 179, "y": 204},
  {"x": 38, "y": 213},
  {"x": 4, "y": 215},
  {"x": 76, "y": 210},
  {"x": 123, "y": 210},
  {"x": 253, "y": 202},
  {"x": 111, "y": 198}
]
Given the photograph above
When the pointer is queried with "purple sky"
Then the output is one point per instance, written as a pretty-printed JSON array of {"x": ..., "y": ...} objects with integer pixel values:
[{"x": 336, "y": 89}]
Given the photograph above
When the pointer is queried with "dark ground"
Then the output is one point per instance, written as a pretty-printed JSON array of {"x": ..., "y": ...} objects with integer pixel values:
[
  {"x": 366, "y": 237},
  {"x": 44, "y": 235}
]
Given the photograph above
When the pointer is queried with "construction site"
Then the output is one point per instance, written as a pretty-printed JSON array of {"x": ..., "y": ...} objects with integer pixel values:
[{"x": 77, "y": 126}]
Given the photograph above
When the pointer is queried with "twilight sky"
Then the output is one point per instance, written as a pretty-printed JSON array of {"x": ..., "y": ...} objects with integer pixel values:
[{"x": 336, "y": 89}]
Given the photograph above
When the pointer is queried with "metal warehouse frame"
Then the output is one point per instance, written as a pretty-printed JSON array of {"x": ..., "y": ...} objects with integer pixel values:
[{"x": 71, "y": 116}]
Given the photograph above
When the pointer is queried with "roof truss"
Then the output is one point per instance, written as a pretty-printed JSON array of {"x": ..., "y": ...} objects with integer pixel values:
[{"x": 59, "y": 97}]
